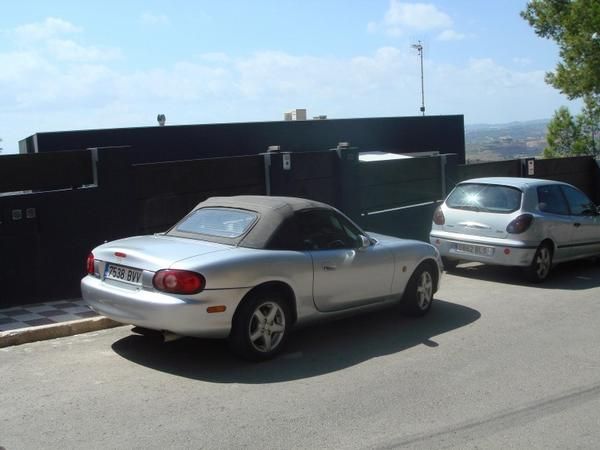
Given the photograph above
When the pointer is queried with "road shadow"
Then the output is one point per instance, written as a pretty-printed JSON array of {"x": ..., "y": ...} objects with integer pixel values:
[
  {"x": 311, "y": 351},
  {"x": 576, "y": 275}
]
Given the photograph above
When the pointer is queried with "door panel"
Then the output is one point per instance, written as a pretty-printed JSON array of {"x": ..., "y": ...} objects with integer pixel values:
[
  {"x": 585, "y": 237},
  {"x": 560, "y": 230},
  {"x": 557, "y": 222},
  {"x": 345, "y": 278},
  {"x": 346, "y": 274}
]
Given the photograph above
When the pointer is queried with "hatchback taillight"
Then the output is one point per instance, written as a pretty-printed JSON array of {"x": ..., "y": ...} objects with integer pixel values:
[
  {"x": 89, "y": 264},
  {"x": 520, "y": 224},
  {"x": 438, "y": 216},
  {"x": 178, "y": 281}
]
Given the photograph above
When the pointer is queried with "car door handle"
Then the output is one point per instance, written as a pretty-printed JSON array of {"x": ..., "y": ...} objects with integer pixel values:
[
  {"x": 329, "y": 268},
  {"x": 576, "y": 224}
]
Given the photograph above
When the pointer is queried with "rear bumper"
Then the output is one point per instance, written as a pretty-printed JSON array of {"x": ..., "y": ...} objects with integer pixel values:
[
  {"x": 163, "y": 312},
  {"x": 504, "y": 252}
]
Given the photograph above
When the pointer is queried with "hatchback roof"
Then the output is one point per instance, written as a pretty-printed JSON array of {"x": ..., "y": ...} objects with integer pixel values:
[{"x": 516, "y": 182}]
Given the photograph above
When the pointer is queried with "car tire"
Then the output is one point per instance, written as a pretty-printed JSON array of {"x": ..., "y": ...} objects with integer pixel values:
[
  {"x": 541, "y": 265},
  {"x": 418, "y": 295},
  {"x": 260, "y": 326},
  {"x": 449, "y": 264}
]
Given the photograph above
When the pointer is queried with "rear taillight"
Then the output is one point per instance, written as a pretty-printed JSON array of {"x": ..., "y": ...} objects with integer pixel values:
[
  {"x": 520, "y": 224},
  {"x": 438, "y": 216},
  {"x": 178, "y": 281},
  {"x": 89, "y": 264}
]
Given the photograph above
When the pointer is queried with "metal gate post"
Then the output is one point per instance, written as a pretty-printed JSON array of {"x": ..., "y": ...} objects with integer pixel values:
[
  {"x": 449, "y": 172},
  {"x": 348, "y": 185}
]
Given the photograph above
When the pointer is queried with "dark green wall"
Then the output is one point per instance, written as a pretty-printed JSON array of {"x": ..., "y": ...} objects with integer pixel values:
[{"x": 149, "y": 144}]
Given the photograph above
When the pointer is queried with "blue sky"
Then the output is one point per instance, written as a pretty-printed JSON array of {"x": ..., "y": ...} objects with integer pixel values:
[{"x": 78, "y": 65}]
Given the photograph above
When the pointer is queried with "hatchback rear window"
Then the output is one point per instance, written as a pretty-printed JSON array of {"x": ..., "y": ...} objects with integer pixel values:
[
  {"x": 485, "y": 197},
  {"x": 219, "y": 222}
]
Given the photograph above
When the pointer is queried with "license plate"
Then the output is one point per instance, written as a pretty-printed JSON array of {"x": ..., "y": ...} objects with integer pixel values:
[
  {"x": 123, "y": 274},
  {"x": 475, "y": 249}
]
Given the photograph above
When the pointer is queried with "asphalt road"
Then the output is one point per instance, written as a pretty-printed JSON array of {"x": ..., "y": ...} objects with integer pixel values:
[{"x": 497, "y": 364}]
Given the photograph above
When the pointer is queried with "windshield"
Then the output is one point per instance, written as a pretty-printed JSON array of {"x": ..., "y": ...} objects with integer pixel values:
[
  {"x": 219, "y": 222},
  {"x": 485, "y": 197}
]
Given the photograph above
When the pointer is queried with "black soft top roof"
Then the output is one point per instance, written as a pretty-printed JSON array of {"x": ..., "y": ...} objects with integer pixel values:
[{"x": 271, "y": 212}]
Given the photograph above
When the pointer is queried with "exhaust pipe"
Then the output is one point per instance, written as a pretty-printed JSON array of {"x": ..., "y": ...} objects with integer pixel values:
[{"x": 170, "y": 337}]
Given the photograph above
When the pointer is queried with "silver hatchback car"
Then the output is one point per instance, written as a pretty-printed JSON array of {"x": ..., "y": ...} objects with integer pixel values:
[{"x": 524, "y": 222}]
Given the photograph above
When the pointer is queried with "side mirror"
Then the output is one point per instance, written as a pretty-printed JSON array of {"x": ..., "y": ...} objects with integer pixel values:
[{"x": 365, "y": 242}]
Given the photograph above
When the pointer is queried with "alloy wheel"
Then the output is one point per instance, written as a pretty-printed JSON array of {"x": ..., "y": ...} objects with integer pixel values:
[
  {"x": 543, "y": 262},
  {"x": 267, "y": 327},
  {"x": 424, "y": 290}
]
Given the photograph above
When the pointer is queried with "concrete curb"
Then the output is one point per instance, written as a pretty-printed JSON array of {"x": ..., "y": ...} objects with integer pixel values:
[{"x": 56, "y": 330}]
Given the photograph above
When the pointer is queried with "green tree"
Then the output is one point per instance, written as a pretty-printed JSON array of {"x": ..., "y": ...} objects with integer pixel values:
[
  {"x": 563, "y": 135},
  {"x": 575, "y": 26},
  {"x": 589, "y": 125},
  {"x": 574, "y": 136}
]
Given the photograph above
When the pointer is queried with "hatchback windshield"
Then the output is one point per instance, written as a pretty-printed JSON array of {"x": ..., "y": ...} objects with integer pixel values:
[
  {"x": 485, "y": 197},
  {"x": 219, "y": 222}
]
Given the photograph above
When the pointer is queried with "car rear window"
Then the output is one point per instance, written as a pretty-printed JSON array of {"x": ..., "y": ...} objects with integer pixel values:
[
  {"x": 485, "y": 197},
  {"x": 219, "y": 222}
]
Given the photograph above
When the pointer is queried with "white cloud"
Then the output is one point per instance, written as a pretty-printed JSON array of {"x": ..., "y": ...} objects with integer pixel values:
[
  {"x": 418, "y": 16},
  {"x": 65, "y": 50},
  {"x": 39, "y": 92},
  {"x": 388, "y": 77},
  {"x": 49, "y": 28},
  {"x": 45, "y": 41},
  {"x": 153, "y": 19},
  {"x": 401, "y": 18},
  {"x": 450, "y": 35},
  {"x": 18, "y": 65}
]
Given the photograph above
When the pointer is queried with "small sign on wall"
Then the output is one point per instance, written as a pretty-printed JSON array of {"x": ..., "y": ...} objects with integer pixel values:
[
  {"x": 287, "y": 161},
  {"x": 530, "y": 167}
]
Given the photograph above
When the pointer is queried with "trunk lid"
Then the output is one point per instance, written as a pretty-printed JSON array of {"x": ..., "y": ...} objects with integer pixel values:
[
  {"x": 476, "y": 223},
  {"x": 154, "y": 252}
]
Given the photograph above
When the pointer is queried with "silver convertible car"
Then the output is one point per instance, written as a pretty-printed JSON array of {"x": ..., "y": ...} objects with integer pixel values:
[
  {"x": 249, "y": 268},
  {"x": 523, "y": 222}
]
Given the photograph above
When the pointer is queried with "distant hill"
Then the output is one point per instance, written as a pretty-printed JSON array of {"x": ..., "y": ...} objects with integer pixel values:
[{"x": 493, "y": 142}]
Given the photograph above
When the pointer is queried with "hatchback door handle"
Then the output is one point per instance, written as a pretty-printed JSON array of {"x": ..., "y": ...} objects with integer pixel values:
[{"x": 329, "y": 268}]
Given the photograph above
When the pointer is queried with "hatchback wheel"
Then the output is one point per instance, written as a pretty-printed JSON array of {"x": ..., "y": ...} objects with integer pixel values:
[
  {"x": 540, "y": 267},
  {"x": 260, "y": 327},
  {"x": 418, "y": 296}
]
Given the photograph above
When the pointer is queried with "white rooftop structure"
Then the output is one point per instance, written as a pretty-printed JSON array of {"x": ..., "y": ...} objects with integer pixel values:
[{"x": 295, "y": 114}]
